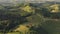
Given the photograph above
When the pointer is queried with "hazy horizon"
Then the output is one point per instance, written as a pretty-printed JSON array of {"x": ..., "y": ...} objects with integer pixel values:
[{"x": 13, "y": 1}]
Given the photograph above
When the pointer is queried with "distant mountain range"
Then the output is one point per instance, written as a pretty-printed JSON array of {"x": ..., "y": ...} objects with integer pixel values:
[
  {"x": 20, "y": 1},
  {"x": 14, "y": 2}
]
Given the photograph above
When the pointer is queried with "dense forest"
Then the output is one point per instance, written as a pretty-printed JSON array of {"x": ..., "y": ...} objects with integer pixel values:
[{"x": 43, "y": 18}]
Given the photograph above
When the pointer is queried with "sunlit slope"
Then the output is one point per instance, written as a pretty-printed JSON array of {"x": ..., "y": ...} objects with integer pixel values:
[
  {"x": 22, "y": 28},
  {"x": 55, "y": 8},
  {"x": 27, "y": 8}
]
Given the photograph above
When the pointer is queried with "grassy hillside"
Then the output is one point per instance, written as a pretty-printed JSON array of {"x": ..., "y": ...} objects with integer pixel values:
[{"x": 36, "y": 17}]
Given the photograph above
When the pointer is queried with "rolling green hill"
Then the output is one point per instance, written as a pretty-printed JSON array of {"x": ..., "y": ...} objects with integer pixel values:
[{"x": 36, "y": 17}]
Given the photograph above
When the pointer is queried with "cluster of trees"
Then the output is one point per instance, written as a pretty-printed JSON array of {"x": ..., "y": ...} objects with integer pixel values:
[{"x": 12, "y": 16}]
